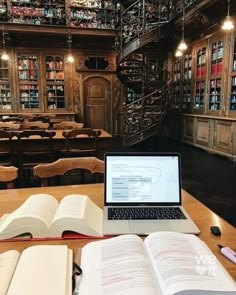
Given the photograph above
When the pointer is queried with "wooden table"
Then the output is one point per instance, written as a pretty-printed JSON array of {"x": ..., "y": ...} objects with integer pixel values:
[
  {"x": 34, "y": 143},
  {"x": 204, "y": 218}
]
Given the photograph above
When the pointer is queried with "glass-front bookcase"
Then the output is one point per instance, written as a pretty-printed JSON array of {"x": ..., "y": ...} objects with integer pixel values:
[
  {"x": 55, "y": 82},
  {"x": 28, "y": 77},
  {"x": 232, "y": 94},
  {"x": 176, "y": 82},
  {"x": 215, "y": 81},
  {"x": 200, "y": 84},
  {"x": 186, "y": 85},
  {"x": 5, "y": 89}
]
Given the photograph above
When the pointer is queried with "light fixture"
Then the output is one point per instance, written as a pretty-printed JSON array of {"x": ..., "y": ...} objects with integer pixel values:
[
  {"x": 228, "y": 23},
  {"x": 182, "y": 45},
  {"x": 70, "y": 57},
  {"x": 178, "y": 53},
  {"x": 4, "y": 55}
]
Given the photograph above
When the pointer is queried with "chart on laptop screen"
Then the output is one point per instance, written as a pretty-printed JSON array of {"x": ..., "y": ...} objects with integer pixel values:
[{"x": 145, "y": 179}]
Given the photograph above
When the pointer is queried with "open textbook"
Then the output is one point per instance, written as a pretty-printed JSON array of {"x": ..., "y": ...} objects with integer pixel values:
[
  {"x": 41, "y": 269},
  {"x": 43, "y": 217},
  {"x": 165, "y": 263}
]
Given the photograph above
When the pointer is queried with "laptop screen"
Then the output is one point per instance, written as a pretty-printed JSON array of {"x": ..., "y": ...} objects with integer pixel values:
[{"x": 142, "y": 178}]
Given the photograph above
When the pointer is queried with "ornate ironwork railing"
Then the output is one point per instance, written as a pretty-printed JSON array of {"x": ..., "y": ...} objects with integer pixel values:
[
  {"x": 144, "y": 117},
  {"x": 145, "y": 15}
]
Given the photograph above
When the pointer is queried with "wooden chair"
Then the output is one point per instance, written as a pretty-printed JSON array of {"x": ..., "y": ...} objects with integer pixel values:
[
  {"x": 38, "y": 118},
  {"x": 35, "y": 125},
  {"x": 9, "y": 125},
  {"x": 15, "y": 119},
  {"x": 62, "y": 166},
  {"x": 8, "y": 156},
  {"x": 8, "y": 175},
  {"x": 73, "y": 146},
  {"x": 68, "y": 125},
  {"x": 27, "y": 159}
]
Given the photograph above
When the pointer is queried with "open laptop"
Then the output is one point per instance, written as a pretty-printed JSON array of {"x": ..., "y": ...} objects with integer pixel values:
[{"x": 140, "y": 182}]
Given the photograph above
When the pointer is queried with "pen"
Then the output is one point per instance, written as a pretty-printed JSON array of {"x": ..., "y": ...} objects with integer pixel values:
[{"x": 227, "y": 252}]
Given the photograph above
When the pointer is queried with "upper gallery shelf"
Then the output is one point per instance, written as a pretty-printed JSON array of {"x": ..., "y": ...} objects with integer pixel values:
[{"x": 97, "y": 14}]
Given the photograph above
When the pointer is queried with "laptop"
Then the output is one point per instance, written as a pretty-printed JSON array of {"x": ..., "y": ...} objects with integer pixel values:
[{"x": 143, "y": 194}]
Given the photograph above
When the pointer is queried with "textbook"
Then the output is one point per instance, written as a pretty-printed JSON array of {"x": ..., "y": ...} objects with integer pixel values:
[
  {"x": 42, "y": 216},
  {"x": 165, "y": 263},
  {"x": 40, "y": 269}
]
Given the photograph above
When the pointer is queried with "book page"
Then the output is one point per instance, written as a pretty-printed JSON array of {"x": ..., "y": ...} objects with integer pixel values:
[
  {"x": 117, "y": 266},
  {"x": 184, "y": 262},
  {"x": 79, "y": 214},
  {"x": 8, "y": 262},
  {"x": 34, "y": 216},
  {"x": 43, "y": 269}
]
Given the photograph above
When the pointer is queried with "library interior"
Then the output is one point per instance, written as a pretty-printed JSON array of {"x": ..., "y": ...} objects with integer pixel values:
[{"x": 83, "y": 78}]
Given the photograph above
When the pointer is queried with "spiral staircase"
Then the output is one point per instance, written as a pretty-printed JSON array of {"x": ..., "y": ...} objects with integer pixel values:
[{"x": 142, "y": 27}]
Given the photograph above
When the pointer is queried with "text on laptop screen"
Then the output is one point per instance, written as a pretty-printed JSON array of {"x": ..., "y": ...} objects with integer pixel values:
[{"x": 145, "y": 179}]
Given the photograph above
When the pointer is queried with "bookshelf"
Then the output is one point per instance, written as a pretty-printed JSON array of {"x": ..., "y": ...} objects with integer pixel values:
[
  {"x": 232, "y": 91},
  {"x": 100, "y": 14},
  {"x": 177, "y": 82},
  {"x": 186, "y": 85},
  {"x": 5, "y": 90},
  {"x": 45, "y": 12},
  {"x": 55, "y": 80},
  {"x": 215, "y": 77},
  {"x": 28, "y": 85},
  {"x": 200, "y": 83}
]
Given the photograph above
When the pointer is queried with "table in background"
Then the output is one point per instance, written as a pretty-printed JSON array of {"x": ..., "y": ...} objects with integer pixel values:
[
  {"x": 203, "y": 217},
  {"x": 34, "y": 143}
]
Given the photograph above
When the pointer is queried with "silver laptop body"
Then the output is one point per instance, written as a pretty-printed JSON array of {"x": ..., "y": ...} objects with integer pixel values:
[{"x": 143, "y": 180}]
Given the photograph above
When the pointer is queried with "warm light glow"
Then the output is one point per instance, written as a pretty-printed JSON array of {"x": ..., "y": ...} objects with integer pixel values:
[
  {"x": 178, "y": 53},
  {"x": 70, "y": 58},
  {"x": 228, "y": 23},
  {"x": 5, "y": 56},
  {"x": 182, "y": 45}
]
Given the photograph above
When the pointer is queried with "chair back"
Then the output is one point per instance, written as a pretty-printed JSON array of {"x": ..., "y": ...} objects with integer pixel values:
[
  {"x": 7, "y": 155},
  {"x": 13, "y": 119},
  {"x": 35, "y": 125},
  {"x": 37, "y": 118},
  {"x": 68, "y": 125},
  {"x": 73, "y": 144},
  {"x": 9, "y": 125},
  {"x": 42, "y": 153},
  {"x": 8, "y": 175},
  {"x": 62, "y": 166}
]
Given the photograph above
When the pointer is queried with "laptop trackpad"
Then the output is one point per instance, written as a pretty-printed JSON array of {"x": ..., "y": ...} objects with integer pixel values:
[{"x": 142, "y": 227}]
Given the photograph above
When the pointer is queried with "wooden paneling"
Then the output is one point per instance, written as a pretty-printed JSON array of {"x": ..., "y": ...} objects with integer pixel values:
[
  {"x": 202, "y": 131},
  {"x": 223, "y": 136},
  {"x": 188, "y": 129}
]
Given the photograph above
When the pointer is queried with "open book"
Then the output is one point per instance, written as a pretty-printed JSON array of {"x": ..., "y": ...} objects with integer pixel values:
[
  {"x": 165, "y": 263},
  {"x": 41, "y": 269},
  {"x": 43, "y": 217}
]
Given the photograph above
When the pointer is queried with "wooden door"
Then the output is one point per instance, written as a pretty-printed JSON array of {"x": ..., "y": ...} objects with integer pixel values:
[{"x": 97, "y": 103}]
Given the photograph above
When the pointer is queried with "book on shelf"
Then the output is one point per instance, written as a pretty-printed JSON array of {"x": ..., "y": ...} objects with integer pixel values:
[
  {"x": 165, "y": 263},
  {"x": 42, "y": 216},
  {"x": 40, "y": 269}
]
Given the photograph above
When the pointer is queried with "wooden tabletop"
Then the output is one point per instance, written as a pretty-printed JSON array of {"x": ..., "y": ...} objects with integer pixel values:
[
  {"x": 203, "y": 217},
  {"x": 59, "y": 132}
]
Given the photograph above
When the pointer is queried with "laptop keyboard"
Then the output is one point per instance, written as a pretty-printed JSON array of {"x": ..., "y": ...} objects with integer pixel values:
[{"x": 139, "y": 213}]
